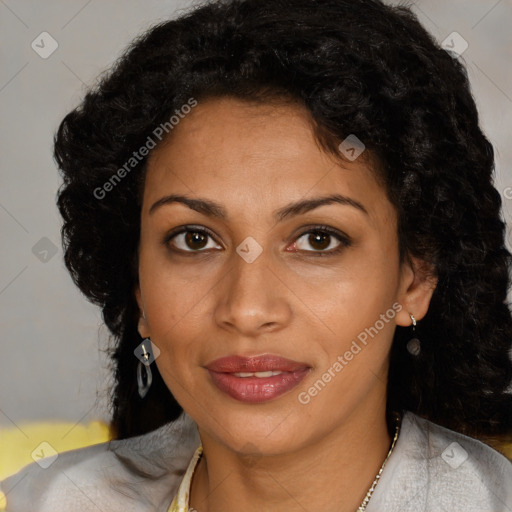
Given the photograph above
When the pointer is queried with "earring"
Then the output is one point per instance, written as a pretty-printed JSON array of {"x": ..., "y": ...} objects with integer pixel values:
[
  {"x": 414, "y": 345},
  {"x": 144, "y": 375}
]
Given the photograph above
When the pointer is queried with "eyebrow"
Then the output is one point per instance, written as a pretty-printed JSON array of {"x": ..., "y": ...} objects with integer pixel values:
[{"x": 213, "y": 209}]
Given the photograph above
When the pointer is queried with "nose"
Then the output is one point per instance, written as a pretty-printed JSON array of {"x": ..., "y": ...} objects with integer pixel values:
[{"x": 252, "y": 300}]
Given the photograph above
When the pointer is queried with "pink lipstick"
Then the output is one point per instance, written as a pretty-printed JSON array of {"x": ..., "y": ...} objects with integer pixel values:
[{"x": 256, "y": 379}]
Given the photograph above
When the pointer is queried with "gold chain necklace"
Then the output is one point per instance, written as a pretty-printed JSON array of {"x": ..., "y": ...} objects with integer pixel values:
[{"x": 364, "y": 503}]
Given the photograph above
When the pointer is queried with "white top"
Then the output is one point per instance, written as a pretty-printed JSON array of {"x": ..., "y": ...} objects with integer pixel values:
[{"x": 431, "y": 469}]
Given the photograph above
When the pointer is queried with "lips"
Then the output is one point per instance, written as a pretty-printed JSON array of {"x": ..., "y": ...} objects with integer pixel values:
[
  {"x": 264, "y": 363},
  {"x": 256, "y": 379}
]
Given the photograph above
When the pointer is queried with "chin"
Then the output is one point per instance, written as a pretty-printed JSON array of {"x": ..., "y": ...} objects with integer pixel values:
[{"x": 266, "y": 433}]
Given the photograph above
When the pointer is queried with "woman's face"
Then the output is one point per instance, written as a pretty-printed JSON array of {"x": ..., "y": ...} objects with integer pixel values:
[{"x": 268, "y": 270}]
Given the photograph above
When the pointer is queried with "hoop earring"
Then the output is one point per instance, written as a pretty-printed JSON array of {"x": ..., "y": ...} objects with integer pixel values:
[
  {"x": 414, "y": 344},
  {"x": 144, "y": 375}
]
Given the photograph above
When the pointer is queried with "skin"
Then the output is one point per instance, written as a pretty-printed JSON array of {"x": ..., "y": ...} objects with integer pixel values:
[{"x": 208, "y": 303}]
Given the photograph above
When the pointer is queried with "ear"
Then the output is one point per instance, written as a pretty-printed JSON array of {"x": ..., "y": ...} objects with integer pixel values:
[
  {"x": 143, "y": 326},
  {"x": 417, "y": 284}
]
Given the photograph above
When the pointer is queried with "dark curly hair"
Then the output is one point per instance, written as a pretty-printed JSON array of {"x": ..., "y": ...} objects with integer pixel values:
[{"x": 360, "y": 67}]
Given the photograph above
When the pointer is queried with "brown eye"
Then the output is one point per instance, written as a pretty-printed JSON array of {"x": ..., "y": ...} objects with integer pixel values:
[
  {"x": 193, "y": 240},
  {"x": 321, "y": 241}
]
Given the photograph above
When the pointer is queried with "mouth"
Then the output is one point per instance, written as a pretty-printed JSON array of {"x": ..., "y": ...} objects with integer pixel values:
[{"x": 256, "y": 379}]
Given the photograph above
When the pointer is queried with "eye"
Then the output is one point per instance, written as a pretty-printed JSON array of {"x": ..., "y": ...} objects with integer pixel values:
[
  {"x": 321, "y": 240},
  {"x": 191, "y": 239}
]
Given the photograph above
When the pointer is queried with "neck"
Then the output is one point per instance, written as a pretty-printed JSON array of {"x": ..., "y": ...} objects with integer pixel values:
[{"x": 333, "y": 474}]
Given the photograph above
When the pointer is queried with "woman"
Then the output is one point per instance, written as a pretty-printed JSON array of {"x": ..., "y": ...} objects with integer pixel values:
[{"x": 285, "y": 210}]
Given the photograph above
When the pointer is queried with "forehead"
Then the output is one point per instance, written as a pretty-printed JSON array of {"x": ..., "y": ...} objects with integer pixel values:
[{"x": 240, "y": 152}]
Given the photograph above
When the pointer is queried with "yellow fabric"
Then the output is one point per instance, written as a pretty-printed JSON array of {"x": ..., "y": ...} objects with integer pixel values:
[
  {"x": 180, "y": 503},
  {"x": 23, "y": 445},
  {"x": 506, "y": 449}
]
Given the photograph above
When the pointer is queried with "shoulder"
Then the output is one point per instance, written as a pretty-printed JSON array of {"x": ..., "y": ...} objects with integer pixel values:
[
  {"x": 121, "y": 475},
  {"x": 433, "y": 468}
]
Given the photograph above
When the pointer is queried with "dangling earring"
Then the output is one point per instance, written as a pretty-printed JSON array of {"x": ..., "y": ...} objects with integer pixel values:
[
  {"x": 144, "y": 375},
  {"x": 414, "y": 345}
]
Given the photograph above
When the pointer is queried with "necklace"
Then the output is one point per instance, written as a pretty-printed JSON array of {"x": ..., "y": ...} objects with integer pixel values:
[
  {"x": 369, "y": 494},
  {"x": 364, "y": 503}
]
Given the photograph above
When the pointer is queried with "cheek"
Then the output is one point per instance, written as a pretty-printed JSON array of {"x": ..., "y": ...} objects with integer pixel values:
[
  {"x": 179, "y": 363},
  {"x": 178, "y": 332},
  {"x": 174, "y": 315},
  {"x": 172, "y": 293},
  {"x": 358, "y": 290},
  {"x": 358, "y": 310}
]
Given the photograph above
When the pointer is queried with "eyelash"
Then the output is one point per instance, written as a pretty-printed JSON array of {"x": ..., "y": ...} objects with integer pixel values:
[
  {"x": 339, "y": 236},
  {"x": 344, "y": 240}
]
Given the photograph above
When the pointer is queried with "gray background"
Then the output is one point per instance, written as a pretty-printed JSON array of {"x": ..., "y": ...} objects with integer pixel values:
[{"x": 51, "y": 364}]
